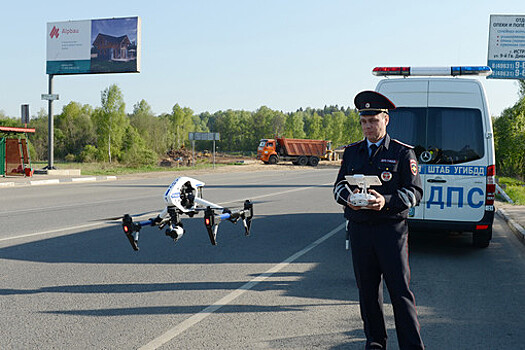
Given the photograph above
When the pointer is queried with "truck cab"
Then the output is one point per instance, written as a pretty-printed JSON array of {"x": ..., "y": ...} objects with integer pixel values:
[{"x": 267, "y": 151}]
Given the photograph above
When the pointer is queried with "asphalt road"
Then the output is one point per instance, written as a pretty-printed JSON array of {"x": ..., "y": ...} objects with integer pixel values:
[{"x": 70, "y": 280}]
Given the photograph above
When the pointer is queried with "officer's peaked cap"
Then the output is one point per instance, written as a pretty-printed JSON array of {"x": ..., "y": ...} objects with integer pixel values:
[{"x": 372, "y": 103}]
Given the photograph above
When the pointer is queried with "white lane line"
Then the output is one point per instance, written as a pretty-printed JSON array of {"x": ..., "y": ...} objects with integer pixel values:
[
  {"x": 196, "y": 318},
  {"x": 72, "y": 228},
  {"x": 278, "y": 193}
]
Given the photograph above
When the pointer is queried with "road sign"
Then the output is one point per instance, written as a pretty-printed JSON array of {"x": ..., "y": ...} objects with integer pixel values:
[
  {"x": 204, "y": 136},
  {"x": 50, "y": 97},
  {"x": 507, "y": 46},
  {"x": 25, "y": 114}
]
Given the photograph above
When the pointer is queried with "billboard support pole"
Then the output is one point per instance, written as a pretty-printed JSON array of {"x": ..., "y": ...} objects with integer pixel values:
[{"x": 50, "y": 126}]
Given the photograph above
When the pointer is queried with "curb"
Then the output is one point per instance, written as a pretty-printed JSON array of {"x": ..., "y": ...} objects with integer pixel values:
[
  {"x": 516, "y": 228},
  {"x": 57, "y": 181}
]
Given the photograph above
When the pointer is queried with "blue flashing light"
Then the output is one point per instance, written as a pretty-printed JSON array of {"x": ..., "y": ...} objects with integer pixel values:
[{"x": 471, "y": 70}]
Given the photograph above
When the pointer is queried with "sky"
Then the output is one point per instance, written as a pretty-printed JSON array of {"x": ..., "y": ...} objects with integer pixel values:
[{"x": 244, "y": 54}]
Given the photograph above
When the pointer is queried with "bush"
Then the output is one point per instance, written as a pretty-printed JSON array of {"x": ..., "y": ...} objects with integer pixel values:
[
  {"x": 134, "y": 151},
  {"x": 89, "y": 154},
  {"x": 137, "y": 156},
  {"x": 70, "y": 157},
  {"x": 514, "y": 188}
]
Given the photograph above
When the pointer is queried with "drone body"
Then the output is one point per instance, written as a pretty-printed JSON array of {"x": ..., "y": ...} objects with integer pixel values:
[{"x": 184, "y": 197}]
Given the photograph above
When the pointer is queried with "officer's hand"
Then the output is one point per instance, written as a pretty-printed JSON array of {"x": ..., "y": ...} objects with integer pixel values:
[
  {"x": 378, "y": 203},
  {"x": 348, "y": 200}
]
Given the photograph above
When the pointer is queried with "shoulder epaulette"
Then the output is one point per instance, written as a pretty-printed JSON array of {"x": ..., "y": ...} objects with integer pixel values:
[
  {"x": 403, "y": 144},
  {"x": 353, "y": 144}
]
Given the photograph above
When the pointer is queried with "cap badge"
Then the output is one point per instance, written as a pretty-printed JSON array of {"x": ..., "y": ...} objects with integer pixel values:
[
  {"x": 386, "y": 176},
  {"x": 367, "y": 105}
]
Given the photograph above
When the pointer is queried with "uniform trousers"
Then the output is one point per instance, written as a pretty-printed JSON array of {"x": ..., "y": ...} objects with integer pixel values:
[{"x": 380, "y": 252}]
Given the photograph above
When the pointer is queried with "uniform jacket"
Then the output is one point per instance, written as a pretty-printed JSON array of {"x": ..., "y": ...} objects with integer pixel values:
[{"x": 396, "y": 165}]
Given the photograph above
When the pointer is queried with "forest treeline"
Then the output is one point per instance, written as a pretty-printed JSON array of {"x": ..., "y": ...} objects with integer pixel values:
[
  {"x": 509, "y": 140},
  {"x": 108, "y": 134}
]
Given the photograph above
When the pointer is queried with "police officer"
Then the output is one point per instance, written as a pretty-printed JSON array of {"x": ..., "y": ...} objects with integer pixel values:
[{"x": 378, "y": 232}]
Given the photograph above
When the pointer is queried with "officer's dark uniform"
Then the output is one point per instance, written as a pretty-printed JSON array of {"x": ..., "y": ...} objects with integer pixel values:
[{"x": 379, "y": 238}]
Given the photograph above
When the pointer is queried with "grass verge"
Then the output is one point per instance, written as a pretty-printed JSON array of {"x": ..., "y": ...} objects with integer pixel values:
[{"x": 514, "y": 188}]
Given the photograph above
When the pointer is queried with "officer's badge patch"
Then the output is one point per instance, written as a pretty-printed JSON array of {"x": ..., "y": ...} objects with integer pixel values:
[
  {"x": 386, "y": 176},
  {"x": 413, "y": 167}
]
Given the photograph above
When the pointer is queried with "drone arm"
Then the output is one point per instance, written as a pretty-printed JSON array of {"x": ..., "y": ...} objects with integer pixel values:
[
  {"x": 132, "y": 229},
  {"x": 212, "y": 221}
]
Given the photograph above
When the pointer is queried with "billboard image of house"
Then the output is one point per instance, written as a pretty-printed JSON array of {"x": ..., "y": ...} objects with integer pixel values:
[
  {"x": 114, "y": 45},
  {"x": 94, "y": 46}
]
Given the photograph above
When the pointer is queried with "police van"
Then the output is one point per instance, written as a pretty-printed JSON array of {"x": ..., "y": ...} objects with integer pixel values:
[{"x": 447, "y": 120}]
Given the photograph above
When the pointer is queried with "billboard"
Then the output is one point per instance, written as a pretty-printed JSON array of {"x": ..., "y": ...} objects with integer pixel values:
[
  {"x": 109, "y": 45},
  {"x": 507, "y": 47}
]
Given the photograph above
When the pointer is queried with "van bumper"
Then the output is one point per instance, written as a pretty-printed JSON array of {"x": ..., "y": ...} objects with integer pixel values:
[{"x": 451, "y": 226}]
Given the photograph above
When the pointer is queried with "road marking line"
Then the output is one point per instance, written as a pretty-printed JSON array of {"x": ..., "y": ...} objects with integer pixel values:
[
  {"x": 109, "y": 201},
  {"x": 196, "y": 318},
  {"x": 57, "y": 231},
  {"x": 277, "y": 193}
]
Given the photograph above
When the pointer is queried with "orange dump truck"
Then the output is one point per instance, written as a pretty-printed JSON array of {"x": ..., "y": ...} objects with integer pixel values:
[{"x": 298, "y": 151}]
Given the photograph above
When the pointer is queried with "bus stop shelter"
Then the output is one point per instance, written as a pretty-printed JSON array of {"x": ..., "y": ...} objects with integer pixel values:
[{"x": 14, "y": 155}]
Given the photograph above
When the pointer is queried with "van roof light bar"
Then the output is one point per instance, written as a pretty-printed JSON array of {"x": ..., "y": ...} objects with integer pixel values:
[{"x": 432, "y": 71}]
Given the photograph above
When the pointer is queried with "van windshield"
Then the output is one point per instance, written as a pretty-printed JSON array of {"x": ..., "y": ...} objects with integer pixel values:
[{"x": 439, "y": 135}]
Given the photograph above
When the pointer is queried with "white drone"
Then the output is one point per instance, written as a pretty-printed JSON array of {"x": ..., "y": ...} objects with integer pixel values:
[{"x": 184, "y": 197}]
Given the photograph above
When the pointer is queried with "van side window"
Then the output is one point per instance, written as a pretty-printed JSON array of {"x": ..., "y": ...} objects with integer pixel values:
[{"x": 448, "y": 135}]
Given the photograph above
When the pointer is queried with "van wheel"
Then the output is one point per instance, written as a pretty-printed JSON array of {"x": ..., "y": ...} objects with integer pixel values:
[
  {"x": 272, "y": 159},
  {"x": 481, "y": 239},
  {"x": 313, "y": 161},
  {"x": 302, "y": 161}
]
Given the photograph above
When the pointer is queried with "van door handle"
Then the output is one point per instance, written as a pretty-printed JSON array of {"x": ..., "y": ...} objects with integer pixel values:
[{"x": 436, "y": 180}]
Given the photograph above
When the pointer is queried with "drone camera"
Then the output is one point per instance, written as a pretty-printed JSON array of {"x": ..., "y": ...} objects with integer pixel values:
[{"x": 175, "y": 232}]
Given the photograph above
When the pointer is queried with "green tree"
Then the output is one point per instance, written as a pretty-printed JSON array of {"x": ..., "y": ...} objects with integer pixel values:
[
  {"x": 352, "y": 128},
  {"x": 7, "y": 121},
  {"x": 248, "y": 141},
  {"x": 181, "y": 123},
  {"x": 262, "y": 123},
  {"x": 111, "y": 123},
  {"x": 509, "y": 140},
  {"x": 135, "y": 151},
  {"x": 154, "y": 130},
  {"x": 335, "y": 127},
  {"x": 228, "y": 125},
  {"x": 314, "y": 127},
  {"x": 294, "y": 127},
  {"x": 74, "y": 129},
  {"x": 39, "y": 138}
]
